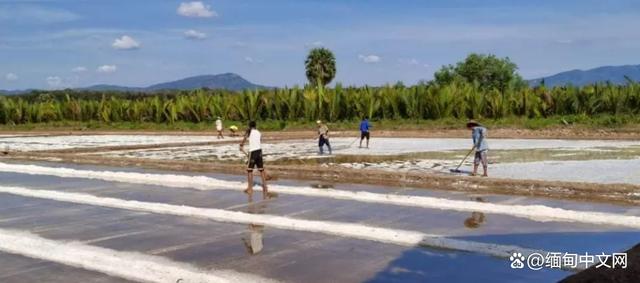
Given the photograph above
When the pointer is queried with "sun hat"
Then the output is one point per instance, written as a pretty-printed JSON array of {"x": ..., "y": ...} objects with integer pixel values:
[{"x": 472, "y": 123}]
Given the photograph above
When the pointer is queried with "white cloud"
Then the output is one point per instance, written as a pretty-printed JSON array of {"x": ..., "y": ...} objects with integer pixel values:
[
  {"x": 564, "y": 41},
  {"x": 314, "y": 44},
  {"x": 239, "y": 44},
  {"x": 252, "y": 60},
  {"x": 79, "y": 69},
  {"x": 196, "y": 9},
  {"x": 369, "y": 58},
  {"x": 194, "y": 34},
  {"x": 410, "y": 61},
  {"x": 107, "y": 69},
  {"x": 11, "y": 77},
  {"x": 125, "y": 43},
  {"x": 54, "y": 81}
]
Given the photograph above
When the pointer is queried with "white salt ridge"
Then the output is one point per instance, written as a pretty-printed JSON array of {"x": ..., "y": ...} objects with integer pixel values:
[
  {"x": 378, "y": 146},
  {"x": 23, "y": 143},
  {"x": 127, "y": 265},
  {"x": 534, "y": 212},
  {"x": 356, "y": 231},
  {"x": 612, "y": 171}
]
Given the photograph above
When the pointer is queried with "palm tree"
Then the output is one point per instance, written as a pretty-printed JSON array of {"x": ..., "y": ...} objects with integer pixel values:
[{"x": 320, "y": 66}]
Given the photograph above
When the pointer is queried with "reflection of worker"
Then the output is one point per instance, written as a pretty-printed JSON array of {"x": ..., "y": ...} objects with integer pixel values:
[
  {"x": 219, "y": 127},
  {"x": 475, "y": 220},
  {"x": 253, "y": 242},
  {"x": 479, "y": 136},
  {"x": 323, "y": 137}
]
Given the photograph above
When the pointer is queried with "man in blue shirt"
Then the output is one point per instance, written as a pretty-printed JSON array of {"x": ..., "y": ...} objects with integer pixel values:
[
  {"x": 479, "y": 136},
  {"x": 364, "y": 131}
]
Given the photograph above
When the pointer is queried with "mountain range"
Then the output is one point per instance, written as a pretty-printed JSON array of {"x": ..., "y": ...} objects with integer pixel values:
[
  {"x": 234, "y": 82},
  {"x": 228, "y": 81},
  {"x": 614, "y": 74}
]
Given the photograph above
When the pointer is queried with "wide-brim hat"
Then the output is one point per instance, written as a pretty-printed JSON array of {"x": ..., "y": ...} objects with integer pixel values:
[{"x": 472, "y": 123}]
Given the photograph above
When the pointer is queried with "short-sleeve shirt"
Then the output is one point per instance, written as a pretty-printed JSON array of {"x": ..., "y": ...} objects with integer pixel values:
[
  {"x": 364, "y": 126},
  {"x": 479, "y": 136},
  {"x": 323, "y": 130},
  {"x": 255, "y": 140}
]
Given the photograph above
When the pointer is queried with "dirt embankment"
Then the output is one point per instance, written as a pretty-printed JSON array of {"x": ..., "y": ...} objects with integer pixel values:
[
  {"x": 553, "y": 133},
  {"x": 607, "y": 193}
]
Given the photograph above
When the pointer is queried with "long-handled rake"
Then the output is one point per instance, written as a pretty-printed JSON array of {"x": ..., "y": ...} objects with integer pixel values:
[{"x": 457, "y": 169}]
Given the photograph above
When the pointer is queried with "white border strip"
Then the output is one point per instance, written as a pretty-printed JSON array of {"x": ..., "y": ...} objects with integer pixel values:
[
  {"x": 127, "y": 265},
  {"x": 540, "y": 213},
  {"x": 349, "y": 230}
]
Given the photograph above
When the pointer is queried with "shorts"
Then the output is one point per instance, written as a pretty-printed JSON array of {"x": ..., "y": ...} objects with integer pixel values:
[
  {"x": 364, "y": 135},
  {"x": 255, "y": 160},
  {"x": 322, "y": 141},
  {"x": 481, "y": 157}
]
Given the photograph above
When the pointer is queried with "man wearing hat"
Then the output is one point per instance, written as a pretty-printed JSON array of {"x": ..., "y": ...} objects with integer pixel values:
[
  {"x": 323, "y": 137},
  {"x": 479, "y": 136}
]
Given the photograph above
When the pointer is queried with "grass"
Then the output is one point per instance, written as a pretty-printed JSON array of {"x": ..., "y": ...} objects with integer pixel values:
[{"x": 620, "y": 123}]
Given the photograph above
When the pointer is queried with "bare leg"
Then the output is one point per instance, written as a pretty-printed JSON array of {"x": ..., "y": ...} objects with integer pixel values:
[
  {"x": 361, "y": 143},
  {"x": 265, "y": 190},
  {"x": 249, "y": 189},
  {"x": 367, "y": 143},
  {"x": 475, "y": 170},
  {"x": 484, "y": 168},
  {"x": 263, "y": 175}
]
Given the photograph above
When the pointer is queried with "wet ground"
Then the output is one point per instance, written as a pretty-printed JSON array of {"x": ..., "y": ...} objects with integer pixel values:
[
  {"x": 593, "y": 161},
  {"x": 285, "y": 254}
]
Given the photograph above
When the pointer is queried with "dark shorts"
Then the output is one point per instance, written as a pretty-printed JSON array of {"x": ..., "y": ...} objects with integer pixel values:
[
  {"x": 322, "y": 141},
  {"x": 364, "y": 135},
  {"x": 481, "y": 157},
  {"x": 255, "y": 160}
]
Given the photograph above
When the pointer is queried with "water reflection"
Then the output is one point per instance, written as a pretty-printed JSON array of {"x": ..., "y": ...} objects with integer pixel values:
[
  {"x": 476, "y": 219},
  {"x": 253, "y": 239}
]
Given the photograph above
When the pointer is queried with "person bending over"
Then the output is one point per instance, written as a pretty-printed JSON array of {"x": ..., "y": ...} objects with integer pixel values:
[
  {"x": 323, "y": 137},
  {"x": 479, "y": 136}
]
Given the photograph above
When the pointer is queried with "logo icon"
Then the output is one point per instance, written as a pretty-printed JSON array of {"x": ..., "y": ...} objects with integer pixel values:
[{"x": 517, "y": 261}]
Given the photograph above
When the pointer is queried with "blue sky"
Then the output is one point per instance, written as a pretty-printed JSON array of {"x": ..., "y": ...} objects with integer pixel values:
[{"x": 74, "y": 43}]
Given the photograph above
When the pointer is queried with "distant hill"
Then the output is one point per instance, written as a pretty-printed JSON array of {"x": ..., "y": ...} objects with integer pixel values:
[
  {"x": 104, "y": 87},
  {"x": 228, "y": 81},
  {"x": 14, "y": 92},
  {"x": 613, "y": 74}
]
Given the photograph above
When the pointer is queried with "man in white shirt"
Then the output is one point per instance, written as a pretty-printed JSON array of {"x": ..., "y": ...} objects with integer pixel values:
[
  {"x": 255, "y": 158},
  {"x": 219, "y": 128}
]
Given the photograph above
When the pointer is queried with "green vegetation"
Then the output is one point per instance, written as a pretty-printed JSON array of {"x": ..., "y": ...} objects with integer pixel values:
[
  {"x": 320, "y": 66},
  {"x": 493, "y": 93}
]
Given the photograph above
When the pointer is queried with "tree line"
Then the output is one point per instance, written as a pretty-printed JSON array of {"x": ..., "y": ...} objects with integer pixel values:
[{"x": 480, "y": 87}]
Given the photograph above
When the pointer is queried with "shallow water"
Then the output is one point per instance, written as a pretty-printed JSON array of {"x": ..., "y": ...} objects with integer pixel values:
[{"x": 299, "y": 255}]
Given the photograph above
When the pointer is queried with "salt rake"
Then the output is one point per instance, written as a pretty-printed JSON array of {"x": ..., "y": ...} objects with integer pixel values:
[{"x": 457, "y": 169}]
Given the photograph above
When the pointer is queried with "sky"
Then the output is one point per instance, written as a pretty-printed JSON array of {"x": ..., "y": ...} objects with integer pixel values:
[{"x": 52, "y": 44}]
